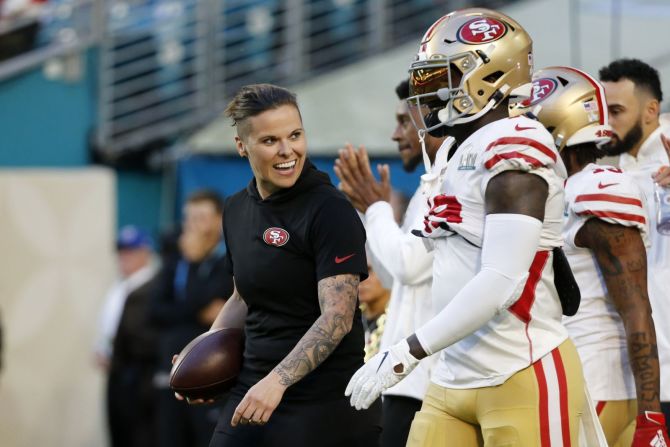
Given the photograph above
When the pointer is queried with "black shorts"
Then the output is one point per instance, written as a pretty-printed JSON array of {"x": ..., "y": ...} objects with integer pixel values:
[{"x": 332, "y": 423}]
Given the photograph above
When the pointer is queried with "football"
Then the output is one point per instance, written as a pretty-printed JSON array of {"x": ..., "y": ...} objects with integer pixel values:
[{"x": 208, "y": 366}]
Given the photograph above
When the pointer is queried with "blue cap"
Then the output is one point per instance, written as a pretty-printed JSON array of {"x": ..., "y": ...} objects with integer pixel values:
[{"x": 131, "y": 237}]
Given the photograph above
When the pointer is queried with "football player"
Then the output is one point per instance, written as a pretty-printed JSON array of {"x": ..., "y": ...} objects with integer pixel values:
[
  {"x": 605, "y": 235},
  {"x": 508, "y": 374},
  {"x": 395, "y": 250},
  {"x": 634, "y": 96}
]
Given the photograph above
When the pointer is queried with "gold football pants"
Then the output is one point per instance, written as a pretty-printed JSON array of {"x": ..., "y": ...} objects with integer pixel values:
[
  {"x": 539, "y": 406},
  {"x": 618, "y": 418}
]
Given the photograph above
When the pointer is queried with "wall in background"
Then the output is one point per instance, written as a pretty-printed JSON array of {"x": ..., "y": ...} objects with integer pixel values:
[
  {"x": 47, "y": 124},
  {"x": 57, "y": 228}
]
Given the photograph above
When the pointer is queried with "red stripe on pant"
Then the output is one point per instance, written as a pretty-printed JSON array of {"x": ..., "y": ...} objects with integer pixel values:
[
  {"x": 563, "y": 391},
  {"x": 545, "y": 439},
  {"x": 543, "y": 390}
]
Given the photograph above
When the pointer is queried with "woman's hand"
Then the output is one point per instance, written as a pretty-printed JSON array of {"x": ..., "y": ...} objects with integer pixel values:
[
  {"x": 260, "y": 401},
  {"x": 189, "y": 401}
]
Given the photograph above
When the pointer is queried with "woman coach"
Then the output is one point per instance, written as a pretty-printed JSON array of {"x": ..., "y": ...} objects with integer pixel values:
[{"x": 296, "y": 251}]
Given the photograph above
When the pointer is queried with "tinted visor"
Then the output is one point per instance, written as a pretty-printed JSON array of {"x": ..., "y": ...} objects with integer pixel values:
[
  {"x": 432, "y": 75},
  {"x": 430, "y": 80}
]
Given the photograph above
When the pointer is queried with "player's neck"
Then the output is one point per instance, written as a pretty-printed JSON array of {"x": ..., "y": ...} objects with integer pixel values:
[
  {"x": 646, "y": 133},
  {"x": 574, "y": 164},
  {"x": 461, "y": 133}
]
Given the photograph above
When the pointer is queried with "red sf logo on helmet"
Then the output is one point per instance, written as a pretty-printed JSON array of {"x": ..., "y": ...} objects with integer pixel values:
[
  {"x": 542, "y": 88},
  {"x": 481, "y": 30},
  {"x": 275, "y": 236}
]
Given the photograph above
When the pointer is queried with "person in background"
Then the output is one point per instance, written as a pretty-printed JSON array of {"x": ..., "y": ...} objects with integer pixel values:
[
  {"x": 399, "y": 258},
  {"x": 126, "y": 348},
  {"x": 191, "y": 292},
  {"x": 399, "y": 203},
  {"x": 605, "y": 233},
  {"x": 374, "y": 298},
  {"x": 634, "y": 96}
]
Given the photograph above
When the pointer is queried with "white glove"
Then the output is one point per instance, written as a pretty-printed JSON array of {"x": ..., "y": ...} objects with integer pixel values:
[{"x": 380, "y": 373}]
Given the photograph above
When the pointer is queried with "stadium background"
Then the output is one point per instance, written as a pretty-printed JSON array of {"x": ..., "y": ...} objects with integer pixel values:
[{"x": 109, "y": 115}]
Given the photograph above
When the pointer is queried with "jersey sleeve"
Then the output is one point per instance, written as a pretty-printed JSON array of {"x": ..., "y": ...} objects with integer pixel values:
[
  {"x": 610, "y": 196},
  {"x": 337, "y": 238},
  {"x": 528, "y": 150}
]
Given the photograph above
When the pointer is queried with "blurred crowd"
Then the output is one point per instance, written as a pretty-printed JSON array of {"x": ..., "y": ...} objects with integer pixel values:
[{"x": 161, "y": 301}]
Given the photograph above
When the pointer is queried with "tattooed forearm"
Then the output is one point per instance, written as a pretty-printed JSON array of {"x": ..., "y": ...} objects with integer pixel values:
[
  {"x": 621, "y": 257},
  {"x": 337, "y": 299},
  {"x": 644, "y": 361}
]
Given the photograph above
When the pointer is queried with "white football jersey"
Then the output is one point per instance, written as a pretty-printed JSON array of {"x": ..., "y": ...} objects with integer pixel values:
[
  {"x": 606, "y": 193},
  {"x": 531, "y": 327}
]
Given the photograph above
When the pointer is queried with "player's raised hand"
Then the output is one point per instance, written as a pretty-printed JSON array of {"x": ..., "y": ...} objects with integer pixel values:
[
  {"x": 352, "y": 167},
  {"x": 380, "y": 373}
]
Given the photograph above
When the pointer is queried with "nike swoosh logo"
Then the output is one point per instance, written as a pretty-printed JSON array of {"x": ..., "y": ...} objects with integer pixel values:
[
  {"x": 603, "y": 186},
  {"x": 519, "y": 128},
  {"x": 339, "y": 260},
  {"x": 380, "y": 363}
]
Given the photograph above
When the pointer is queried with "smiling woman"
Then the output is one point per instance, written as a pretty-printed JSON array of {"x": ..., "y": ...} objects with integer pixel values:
[
  {"x": 270, "y": 135},
  {"x": 296, "y": 249}
]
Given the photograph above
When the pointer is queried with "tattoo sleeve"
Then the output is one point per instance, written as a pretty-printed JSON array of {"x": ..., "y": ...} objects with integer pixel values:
[
  {"x": 337, "y": 299},
  {"x": 621, "y": 257}
]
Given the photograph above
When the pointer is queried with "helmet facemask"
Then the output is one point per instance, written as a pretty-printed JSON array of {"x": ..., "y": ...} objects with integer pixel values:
[{"x": 438, "y": 91}]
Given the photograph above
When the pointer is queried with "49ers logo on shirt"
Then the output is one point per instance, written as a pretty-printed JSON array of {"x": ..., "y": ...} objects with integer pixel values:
[
  {"x": 481, "y": 30},
  {"x": 542, "y": 88},
  {"x": 275, "y": 236}
]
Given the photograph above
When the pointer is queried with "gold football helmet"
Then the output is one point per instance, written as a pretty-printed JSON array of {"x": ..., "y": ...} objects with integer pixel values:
[
  {"x": 570, "y": 104},
  {"x": 468, "y": 62}
]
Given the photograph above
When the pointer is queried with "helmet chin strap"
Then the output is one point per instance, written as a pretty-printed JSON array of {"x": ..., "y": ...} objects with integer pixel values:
[
  {"x": 495, "y": 100},
  {"x": 432, "y": 180},
  {"x": 424, "y": 152}
]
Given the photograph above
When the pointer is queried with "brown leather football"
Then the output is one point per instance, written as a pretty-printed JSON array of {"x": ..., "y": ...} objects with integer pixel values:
[{"x": 208, "y": 366}]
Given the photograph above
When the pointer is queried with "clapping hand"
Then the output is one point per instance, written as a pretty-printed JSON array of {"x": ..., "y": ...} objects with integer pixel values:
[{"x": 357, "y": 181}]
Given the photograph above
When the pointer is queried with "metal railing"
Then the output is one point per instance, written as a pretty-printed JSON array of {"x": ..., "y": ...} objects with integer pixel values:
[
  {"x": 52, "y": 29},
  {"x": 167, "y": 66}
]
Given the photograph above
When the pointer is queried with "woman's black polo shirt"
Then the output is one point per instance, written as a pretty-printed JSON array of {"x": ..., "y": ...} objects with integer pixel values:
[{"x": 278, "y": 250}]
